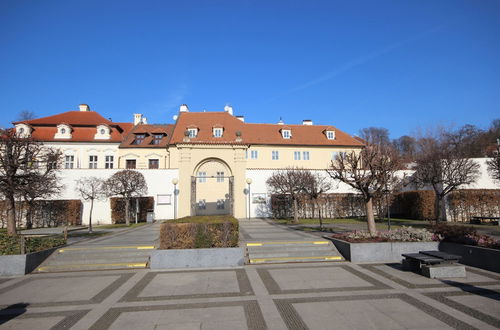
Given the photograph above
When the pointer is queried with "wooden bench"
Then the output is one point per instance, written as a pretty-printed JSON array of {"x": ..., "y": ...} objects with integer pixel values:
[
  {"x": 434, "y": 264},
  {"x": 479, "y": 220}
]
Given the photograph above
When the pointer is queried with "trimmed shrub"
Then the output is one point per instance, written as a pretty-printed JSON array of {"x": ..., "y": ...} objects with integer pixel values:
[
  {"x": 418, "y": 204},
  {"x": 464, "y": 235},
  {"x": 46, "y": 213},
  {"x": 118, "y": 208},
  {"x": 465, "y": 204},
  {"x": 199, "y": 232},
  {"x": 331, "y": 205},
  {"x": 12, "y": 245}
]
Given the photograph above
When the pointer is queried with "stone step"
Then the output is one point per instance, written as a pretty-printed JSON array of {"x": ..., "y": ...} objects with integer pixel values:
[
  {"x": 288, "y": 254},
  {"x": 89, "y": 267},
  {"x": 266, "y": 249},
  {"x": 287, "y": 243},
  {"x": 274, "y": 260},
  {"x": 98, "y": 260}
]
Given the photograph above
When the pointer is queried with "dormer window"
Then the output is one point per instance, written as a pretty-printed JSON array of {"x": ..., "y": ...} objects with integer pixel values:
[
  {"x": 63, "y": 132},
  {"x": 192, "y": 132},
  {"x": 157, "y": 139},
  {"x": 23, "y": 130},
  {"x": 139, "y": 138},
  {"x": 330, "y": 135},
  {"x": 217, "y": 131},
  {"x": 286, "y": 133},
  {"x": 103, "y": 132}
]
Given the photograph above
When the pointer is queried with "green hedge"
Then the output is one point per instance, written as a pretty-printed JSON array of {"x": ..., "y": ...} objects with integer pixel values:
[
  {"x": 199, "y": 232},
  {"x": 11, "y": 244}
]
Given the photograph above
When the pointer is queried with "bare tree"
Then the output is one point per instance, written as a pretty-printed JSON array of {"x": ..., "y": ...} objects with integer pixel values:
[
  {"x": 442, "y": 165},
  {"x": 41, "y": 184},
  {"x": 315, "y": 186},
  {"x": 291, "y": 182},
  {"x": 26, "y": 115},
  {"x": 406, "y": 145},
  {"x": 375, "y": 135},
  {"x": 127, "y": 184},
  {"x": 90, "y": 189},
  {"x": 494, "y": 163},
  {"x": 22, "y": 161},
  {"x": 370, "y": 172}
]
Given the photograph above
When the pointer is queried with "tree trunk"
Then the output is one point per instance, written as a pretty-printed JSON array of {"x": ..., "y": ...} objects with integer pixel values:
[
  {"x": 11, "y": 216},
  {"x": 320, "y": 219},
  {"x": 440, "y": 208},
  {"x": 370, "y": 217},
  {"x": 127, "y": 211},
  {"x": 295, "y": 211},
  {"x": 29, "y": 216},
  {"x": 90, "y": 216}
]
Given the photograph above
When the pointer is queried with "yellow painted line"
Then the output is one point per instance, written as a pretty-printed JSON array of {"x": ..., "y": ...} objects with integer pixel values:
[
  {"x": 294, "y": 258},
  {"x": 287, "y": 242},
  {"x": 146, "y": 247},
  {"x": 125, "y": 264}
]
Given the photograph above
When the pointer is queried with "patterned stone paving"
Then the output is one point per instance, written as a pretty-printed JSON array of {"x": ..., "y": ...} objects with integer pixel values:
[{"x": 294, "y": 296}]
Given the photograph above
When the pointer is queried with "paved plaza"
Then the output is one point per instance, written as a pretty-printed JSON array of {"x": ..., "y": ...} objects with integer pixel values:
[{"x": 280, "y": 296}]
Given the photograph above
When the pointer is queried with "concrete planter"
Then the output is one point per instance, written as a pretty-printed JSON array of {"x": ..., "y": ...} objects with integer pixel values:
[
  {"x": 21, "y": 264},
  {"x": 197, "y": 258},
  {"x": 474, "y": 256},
  {"x": 381, "y": 251}
]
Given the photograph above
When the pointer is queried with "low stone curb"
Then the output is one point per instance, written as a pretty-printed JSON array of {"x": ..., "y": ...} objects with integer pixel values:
[
  {"x": 21, "y": 264},
  {"x": 379, "y": 251},
  {"x": 197, "y": 258},
  {"x": 475, "y": 256}
]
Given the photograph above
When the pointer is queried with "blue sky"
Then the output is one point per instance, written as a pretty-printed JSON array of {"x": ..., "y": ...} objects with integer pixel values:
[{"x": 402, "y": 65}]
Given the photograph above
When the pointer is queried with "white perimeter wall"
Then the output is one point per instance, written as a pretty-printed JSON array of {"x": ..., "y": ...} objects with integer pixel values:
[
  {"x": 259, "y": 186},
  {"x": 159, "y": 182}
]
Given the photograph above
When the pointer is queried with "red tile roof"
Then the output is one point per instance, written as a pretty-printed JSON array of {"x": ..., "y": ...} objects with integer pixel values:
[
  {"x": 74, "y": 118},
  {"x": 149, "y": 130},
  {"x": 264, "y": 134},
  {"x": 83, "y": 124}
]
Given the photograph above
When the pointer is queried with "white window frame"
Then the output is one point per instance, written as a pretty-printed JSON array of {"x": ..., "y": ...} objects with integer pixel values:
[
  {"x": 220, "y": 176},
  {"x": 286, "y": 133},
  {"x": 193, "y": 132},
  {"x": 330, "y": 135},
  {"x": 305, "y": 155},
  {"x": 109, "y": 161},
  {"x": 69, "y": 164},
  {"x": 296, "y": 155},
  {"x": 275, "y": 155},
  {"x": 254, "y": 154},
  {"x": 202, "y": 177},
  {"x": 93, "y": 162},
  {"x": 217, "y": 132}
]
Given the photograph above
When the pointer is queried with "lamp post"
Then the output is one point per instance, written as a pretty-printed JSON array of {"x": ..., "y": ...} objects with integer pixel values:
[
  {"x": 175, "y": 181},
  {"x": 249, "y": 182}
]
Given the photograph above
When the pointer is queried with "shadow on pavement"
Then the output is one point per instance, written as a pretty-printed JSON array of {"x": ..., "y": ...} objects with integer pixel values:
[{"x": 15, "y": 310}]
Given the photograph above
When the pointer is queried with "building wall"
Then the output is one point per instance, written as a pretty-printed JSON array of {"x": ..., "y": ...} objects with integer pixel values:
[
  {"x": 82, "y": 150},
  {"x": 159, "y": 182},
  {"x": 142, "y": 156},
  {"x": 319, "y": 157}
]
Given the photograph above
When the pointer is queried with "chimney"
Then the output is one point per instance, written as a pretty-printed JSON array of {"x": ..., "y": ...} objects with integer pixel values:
[
  {"x": 84, "y": 107},
  {"x": 183, "y": 108},
  {"x": 307, "y": 122},
  {"x": 242, "y": 118},
  {"x": 137, "y": 118},
  {"x": 228, "y": 109}
]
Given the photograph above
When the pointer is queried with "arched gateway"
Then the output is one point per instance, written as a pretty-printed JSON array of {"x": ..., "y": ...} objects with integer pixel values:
[{"x": 212, "y": 188}]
